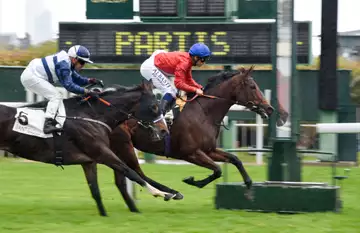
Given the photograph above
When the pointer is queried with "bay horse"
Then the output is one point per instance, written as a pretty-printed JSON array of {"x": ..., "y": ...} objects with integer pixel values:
[
  {"x": 194, "y": 132},
  {"x": 85, "y": 138}
]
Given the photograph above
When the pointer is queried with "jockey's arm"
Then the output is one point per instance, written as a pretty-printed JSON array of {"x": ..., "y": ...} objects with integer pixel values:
[
  {"x": 185, "y": 82},
  {"x": 194, "y": 83},
  {"x": 78, "y": 79},
  {"x": 64, "y": 75}
]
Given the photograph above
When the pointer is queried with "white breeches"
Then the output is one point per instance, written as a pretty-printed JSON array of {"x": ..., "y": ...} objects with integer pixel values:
[
  {"x": 32, "y": 82},
  {"x": 150, "y": 72}
]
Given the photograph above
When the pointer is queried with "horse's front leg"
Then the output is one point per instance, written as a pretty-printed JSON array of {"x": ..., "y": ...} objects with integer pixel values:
[
  {"x": 201, "y": 159},
  {"x": 222, "y": 156},
  {"x": 120, "y": 182},
  {"x": 125, "y": 151},
  {"x": 108, "y": 158},
  {"x": 90, "y": 171}
]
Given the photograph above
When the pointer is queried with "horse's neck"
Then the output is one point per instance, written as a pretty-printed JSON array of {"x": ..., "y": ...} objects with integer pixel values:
[
  {"x": 111, "y": 115},
  {"x": 120, "y": 112},
  {"x": 218, "y": 108}
]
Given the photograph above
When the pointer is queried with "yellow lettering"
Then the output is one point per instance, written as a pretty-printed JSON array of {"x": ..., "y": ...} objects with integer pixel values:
[
  {"x": 120, "y": 41},
  {"x": 182, "y": 39},
  {"x": 143, "y": 40},
  {"x": 201, "y": 36},
  {"x": 162, "y": 40},
  {"x": 226, "y": 47}
]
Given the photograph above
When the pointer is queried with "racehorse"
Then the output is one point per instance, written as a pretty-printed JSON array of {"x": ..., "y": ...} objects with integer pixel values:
[
  {"x": 85, "y": 137},
  {"x": 194, "y": 132}
]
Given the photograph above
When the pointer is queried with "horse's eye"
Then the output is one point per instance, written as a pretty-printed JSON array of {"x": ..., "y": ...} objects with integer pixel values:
[{"x": 154, "y": 108}]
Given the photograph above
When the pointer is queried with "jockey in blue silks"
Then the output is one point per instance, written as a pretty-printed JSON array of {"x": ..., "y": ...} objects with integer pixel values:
[{"x": 40, "y": 75}]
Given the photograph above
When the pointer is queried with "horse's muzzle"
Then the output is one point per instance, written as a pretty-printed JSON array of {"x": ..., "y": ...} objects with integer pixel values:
[{"x": 159, "y": 135}]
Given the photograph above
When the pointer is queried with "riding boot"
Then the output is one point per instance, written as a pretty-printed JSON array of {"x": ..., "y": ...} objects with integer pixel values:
[
  {"x": 49, "y": 126},
  {"x": 166, "y": 104},
  {"x": 176, "y": 111}
]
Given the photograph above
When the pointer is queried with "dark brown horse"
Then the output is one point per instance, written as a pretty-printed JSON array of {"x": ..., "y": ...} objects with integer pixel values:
[
  {"x": 194, "y": 132},
  {"x": 85, "y": 139}
]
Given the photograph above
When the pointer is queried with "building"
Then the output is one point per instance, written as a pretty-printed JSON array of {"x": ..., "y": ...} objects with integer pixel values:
[
  {"x": 349, "y": 45},
  {"x": 38, "y": 21}
]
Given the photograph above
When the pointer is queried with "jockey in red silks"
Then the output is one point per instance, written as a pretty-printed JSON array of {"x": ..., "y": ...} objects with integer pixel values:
[{"x": 162, "y": 64}]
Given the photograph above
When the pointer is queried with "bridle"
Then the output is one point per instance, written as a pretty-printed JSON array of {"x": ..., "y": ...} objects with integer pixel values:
[
  {"x": 249, "y": 104},
  {"x": 253, "y": 106}
]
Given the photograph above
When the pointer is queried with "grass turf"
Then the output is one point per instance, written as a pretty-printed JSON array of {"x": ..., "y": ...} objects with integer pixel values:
[{"x": 40, "y": 198}]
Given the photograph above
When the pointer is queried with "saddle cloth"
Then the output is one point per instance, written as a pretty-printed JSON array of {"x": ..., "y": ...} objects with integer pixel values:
[{"x": 30, "y": 121}]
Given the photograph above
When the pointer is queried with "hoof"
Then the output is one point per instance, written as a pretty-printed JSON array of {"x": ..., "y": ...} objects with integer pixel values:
[
  {"x": 248, "y": 184},
  {"x": 189, "y": 180},
  {"x": 178, "y": 196},
  {"x": 169, "y": 196},
  {"x": 136, "y": 211}
]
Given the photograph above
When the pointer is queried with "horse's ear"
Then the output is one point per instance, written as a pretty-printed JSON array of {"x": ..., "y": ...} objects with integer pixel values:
[
  {"x": 242, "y": 69},
  {"x": 147, "y": 85},
  {"x": 248, "y": 72},
  {"x": 251, "y": 69}
]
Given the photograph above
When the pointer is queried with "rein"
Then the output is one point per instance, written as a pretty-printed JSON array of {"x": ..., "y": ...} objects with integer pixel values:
[
  {"x": 253, "y": 105},
  {"x": 210, "y": 97}
]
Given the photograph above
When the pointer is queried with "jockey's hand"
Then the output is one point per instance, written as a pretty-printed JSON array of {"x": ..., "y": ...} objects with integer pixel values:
[
  {"x": 199, "y": 92},
  {"x": 96, "y": 81}
]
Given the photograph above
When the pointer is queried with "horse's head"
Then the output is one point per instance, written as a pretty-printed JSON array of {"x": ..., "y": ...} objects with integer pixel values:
[
  {"x": 238, "y": 87},
  {"x": 247, "y": 93},
  {"x": 145, "y": 109},
  {"x": 149, "y": 109}
]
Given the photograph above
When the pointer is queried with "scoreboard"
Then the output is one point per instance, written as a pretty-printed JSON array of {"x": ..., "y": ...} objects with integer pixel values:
[
  {"x": 158, "y": 8},
  {"x": 132, "y": 43},
  {"x": 192, "y": 7}
]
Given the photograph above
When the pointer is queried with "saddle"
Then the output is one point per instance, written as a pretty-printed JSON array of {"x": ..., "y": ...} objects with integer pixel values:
[{"x": 30, "y": 121}]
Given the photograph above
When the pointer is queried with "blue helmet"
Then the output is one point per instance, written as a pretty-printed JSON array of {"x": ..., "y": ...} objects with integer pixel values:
[
  {"x": 200, "y": 50},
  {"x": 80, "y": 52}
]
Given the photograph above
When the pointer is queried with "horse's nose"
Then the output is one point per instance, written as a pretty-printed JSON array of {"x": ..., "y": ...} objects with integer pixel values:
[{"x": 269, "y": 110}]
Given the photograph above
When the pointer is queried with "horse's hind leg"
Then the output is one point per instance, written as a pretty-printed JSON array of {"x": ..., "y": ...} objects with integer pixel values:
[
  {"x": 222, "y": 156},
  {"x": 120, "y": 182},
  {"x": 90, "y": 171},
  {"x": 201, "y": 159}
]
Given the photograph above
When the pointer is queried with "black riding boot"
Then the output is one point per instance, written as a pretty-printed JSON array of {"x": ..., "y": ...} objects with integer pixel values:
[
  {"x": 166, "y": 105},
  {"x": 49, "y": 126},
  {"x": 176, "y": 111}
]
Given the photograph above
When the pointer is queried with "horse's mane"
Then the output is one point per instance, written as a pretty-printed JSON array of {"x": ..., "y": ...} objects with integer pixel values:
[
  {"x": 224, "y": 76},
  {"x": 219, "y": 78},
  {"x": 105, "y": 92}
]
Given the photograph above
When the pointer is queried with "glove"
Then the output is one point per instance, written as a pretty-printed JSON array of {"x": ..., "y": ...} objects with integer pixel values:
[
  {"x": 96, "y": 81},
  {"x": 199, "y": 92}
]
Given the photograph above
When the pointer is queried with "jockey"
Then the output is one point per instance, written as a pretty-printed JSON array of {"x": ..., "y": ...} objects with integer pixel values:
[
  {"x": 63, "y": 66},
  {"x": 163, "y": 64}
]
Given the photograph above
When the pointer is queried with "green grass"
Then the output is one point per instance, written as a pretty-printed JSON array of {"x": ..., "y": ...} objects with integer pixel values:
[
  {"x": 243, "y": 156},
  {"x": 40, "y": 198}
]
